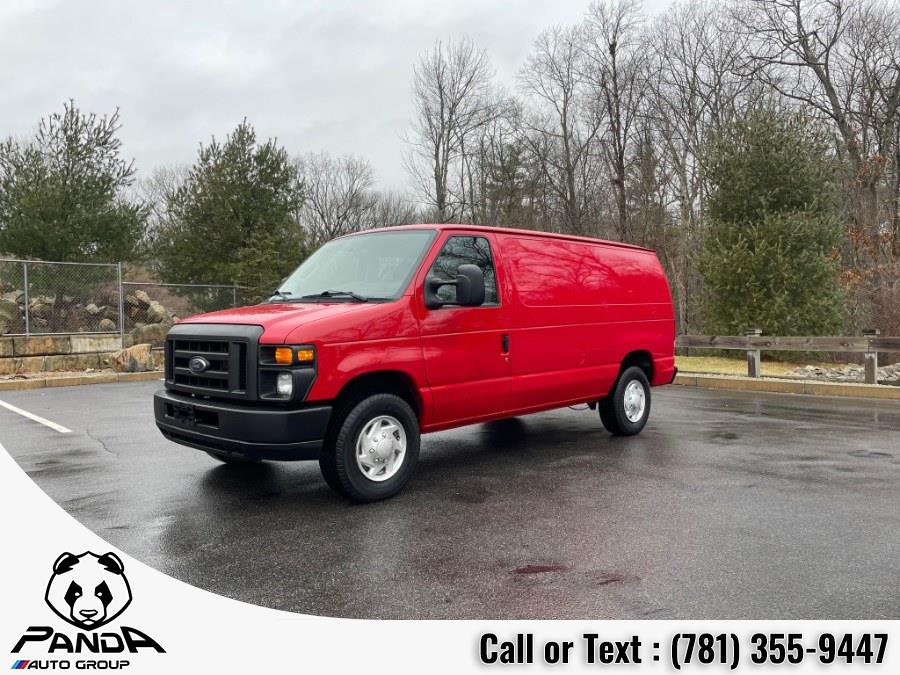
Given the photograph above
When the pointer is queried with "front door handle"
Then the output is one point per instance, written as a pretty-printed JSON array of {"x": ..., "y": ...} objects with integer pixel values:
[{"x": 504, "y": 343}]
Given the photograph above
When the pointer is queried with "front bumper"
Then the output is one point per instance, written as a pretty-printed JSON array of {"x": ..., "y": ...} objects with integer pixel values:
[{"x": 256, "y": 432}]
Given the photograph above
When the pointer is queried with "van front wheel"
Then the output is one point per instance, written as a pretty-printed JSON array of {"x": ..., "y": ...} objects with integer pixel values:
[
  {"x": 625, "y": 409},
  {"x": 373, "y": 449}
]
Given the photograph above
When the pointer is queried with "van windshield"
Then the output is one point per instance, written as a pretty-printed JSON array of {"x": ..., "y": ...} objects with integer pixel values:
[{"x": 359, "y": 268}]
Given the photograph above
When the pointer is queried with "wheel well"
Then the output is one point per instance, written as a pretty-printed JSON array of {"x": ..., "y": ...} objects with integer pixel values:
[
  {"x": 381, "y": 382},
  {"x": 642, "y": 359}
]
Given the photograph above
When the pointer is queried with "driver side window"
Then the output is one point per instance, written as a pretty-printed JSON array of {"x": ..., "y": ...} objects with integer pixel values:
[{"x": 459, "y": 250}]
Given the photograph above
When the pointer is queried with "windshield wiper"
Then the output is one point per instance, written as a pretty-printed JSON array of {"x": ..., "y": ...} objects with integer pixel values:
[
  {"x": 281, "y": 294},
  {"x": 336, "y": 294}
]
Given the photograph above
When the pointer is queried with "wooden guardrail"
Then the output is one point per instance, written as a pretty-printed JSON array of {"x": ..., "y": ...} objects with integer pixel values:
[{"x": 754, "y": 342}]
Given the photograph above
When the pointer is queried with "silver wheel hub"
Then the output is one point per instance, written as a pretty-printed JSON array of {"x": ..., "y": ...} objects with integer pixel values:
[
  {"x": 635, "y": 401},
  {"x": 381, "y": 448}
]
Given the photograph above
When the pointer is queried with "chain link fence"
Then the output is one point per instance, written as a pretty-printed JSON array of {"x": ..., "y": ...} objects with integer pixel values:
[
  {"x": 41, "y": 298},
  {"x": 150, "y": 308},
  {"x": 53, "y": 298}
]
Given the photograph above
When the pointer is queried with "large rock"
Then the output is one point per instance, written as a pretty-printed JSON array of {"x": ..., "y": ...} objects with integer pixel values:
[
  {"x": 9, "y": 308},
  {"x": 107, "y": 325},
  {"x": 151, "y": 333},
  {"x": 136, "y": 359},
  {"x": 40, "y": 310},
  {"x": 143, "y": 300},
  {"x": 9, "y": 315},
  {"x": 158, "y": 357},
  {"x": 92, "y": 309},
  {"x": 156, "y": 313}
]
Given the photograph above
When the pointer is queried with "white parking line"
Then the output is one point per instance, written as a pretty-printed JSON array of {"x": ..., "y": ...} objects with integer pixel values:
[{"x": 35, "y": 418}]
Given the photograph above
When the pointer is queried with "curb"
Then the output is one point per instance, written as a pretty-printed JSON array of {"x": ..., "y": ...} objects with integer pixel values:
[
  {"x": 77, "y": 380},
  {"x": 784, "y": 386}
]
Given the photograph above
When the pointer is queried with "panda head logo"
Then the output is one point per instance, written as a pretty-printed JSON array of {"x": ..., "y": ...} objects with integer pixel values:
[{"x": 88, "y": 590}]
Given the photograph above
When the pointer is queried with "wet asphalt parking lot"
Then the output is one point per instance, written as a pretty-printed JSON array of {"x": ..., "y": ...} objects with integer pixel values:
[{"x": 728, "y": 505}]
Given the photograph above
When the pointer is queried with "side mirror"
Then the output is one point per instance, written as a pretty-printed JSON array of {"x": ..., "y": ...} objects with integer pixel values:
[{"x": 469, "y": 284}]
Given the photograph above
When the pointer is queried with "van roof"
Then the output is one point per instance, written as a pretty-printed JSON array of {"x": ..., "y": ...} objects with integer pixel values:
[{"x": 507, "y": 230}]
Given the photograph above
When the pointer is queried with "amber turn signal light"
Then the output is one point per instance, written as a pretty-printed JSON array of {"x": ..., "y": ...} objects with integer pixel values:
[
  {"x": 306, "y": 355},
  {"x": 284, "y": 356}
]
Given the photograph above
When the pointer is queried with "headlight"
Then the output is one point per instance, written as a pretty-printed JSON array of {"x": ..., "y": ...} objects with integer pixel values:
[
  {"x": 285, "y": 372},
  {"x": 284, "y": 384}
]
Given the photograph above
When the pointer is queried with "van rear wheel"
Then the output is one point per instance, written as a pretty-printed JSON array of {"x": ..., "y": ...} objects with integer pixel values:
[
  {"x": 373, "y": 449},
  {"x": 625, "y": 409}
]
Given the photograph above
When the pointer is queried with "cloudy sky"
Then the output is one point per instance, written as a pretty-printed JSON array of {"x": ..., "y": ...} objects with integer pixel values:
[{"x": 317, "y": 74}]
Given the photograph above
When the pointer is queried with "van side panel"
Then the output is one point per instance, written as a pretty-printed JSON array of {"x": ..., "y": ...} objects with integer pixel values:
[
  {"x": 580, "y": 308},
  {"x": 645, "y": 319}
]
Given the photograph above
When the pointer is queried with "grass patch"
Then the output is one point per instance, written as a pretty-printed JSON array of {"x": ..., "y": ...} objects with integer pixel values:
[{"x": 721, "y": 365}]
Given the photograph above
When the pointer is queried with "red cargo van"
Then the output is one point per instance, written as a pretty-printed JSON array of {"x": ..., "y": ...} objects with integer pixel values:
[{"x": 381, "y": 336}]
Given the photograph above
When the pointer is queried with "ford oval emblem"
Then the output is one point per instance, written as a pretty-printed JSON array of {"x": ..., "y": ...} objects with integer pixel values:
[{"x": 198, "y": 364}]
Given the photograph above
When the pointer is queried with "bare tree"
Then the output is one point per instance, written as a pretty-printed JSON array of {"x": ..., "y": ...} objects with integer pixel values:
[
  {"x": 451, "y": 95},
  {"x": 615, "y": 65},
  {"x": 614, "y": 117},
  {"x": 873, "y": 37},
  {"x": 155, "y": 193},
  {"x": 648, "y": 188},
  {"x": 339, "y": 195},
  {"x": 841, "y": 59},
  {"x": 562, "y": 125},
  {"x": 694, "y": 87},
  {"x": 392, "y": 208},
  {"x": 495, "y": 178}
]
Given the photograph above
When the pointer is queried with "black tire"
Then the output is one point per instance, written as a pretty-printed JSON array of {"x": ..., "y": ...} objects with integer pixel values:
[
  {"x": 329, "y": 473},
  {"x": 228, "y": 458},
  {"x": 338, "y": 462},
  {"x": 612, "y": 408}
]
